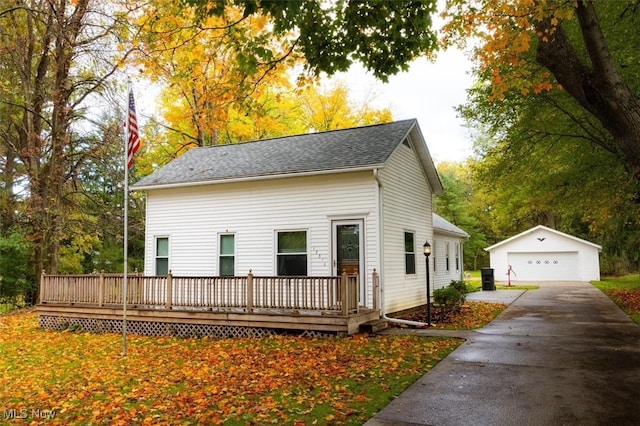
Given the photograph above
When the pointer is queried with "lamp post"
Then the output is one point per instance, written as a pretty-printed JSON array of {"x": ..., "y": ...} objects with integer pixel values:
[{"x": 426, "y": 249}]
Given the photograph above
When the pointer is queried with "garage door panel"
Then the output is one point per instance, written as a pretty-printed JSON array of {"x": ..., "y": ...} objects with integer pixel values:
[{"x": 552, "y": 266}]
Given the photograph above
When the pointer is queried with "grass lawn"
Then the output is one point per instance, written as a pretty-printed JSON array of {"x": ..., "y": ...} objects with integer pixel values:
[
  {"x": 475, "y": 285},
  {"x": 473, "y": 279},
  {"x": 80, "y": 378},
  {"x": 624, "y": 291}
]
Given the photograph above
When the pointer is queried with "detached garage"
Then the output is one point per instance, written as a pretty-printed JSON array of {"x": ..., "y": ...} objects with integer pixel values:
[{"x": 544, "y": 254}]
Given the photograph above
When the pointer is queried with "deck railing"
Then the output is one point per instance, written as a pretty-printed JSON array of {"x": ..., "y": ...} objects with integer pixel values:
[{"x": 334, "y": 293}]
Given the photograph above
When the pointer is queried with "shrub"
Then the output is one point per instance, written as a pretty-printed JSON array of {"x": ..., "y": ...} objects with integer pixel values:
[
  {"x": 461, "y": 286},
  {"x": 450, "y": 298}
]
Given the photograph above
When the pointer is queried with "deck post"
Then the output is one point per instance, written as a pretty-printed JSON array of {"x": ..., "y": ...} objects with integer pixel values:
[
  {"x": 169, "y": 290},
  {"x": 356, "y": 294},
  {"x": 376, "y": 288},
  {"x": 343, "y": 294},
  {"x": 43, "y": 292},
  {"x": 250, "y": 292},
  {"x": 101, "y": 289}
]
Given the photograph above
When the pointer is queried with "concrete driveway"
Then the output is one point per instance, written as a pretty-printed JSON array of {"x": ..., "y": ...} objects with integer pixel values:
[{"x": 561, "y": 355}]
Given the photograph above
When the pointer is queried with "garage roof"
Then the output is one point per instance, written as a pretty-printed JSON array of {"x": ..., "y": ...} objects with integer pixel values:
[{"x": 539, "y": 227}]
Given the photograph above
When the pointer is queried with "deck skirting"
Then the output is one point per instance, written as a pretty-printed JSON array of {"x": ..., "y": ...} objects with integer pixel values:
[{"x": 189, "y": 323}]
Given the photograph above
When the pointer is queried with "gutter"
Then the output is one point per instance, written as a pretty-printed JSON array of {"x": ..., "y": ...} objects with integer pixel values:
[{"x": 381, "y": 256}]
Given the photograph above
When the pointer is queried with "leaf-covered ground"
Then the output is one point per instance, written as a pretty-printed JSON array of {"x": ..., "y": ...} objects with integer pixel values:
[
  {"x": 629, "y": 299},
  {"x": 624, "y": 291},
  {"x": 80, "y": 378},
  {"x": 473, "y": 315}
]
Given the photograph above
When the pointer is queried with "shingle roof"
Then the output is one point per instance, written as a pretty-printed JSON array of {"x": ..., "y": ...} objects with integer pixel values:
[
  {"x": 443, "y": 225},
  {"x": 360, "y": 147}
]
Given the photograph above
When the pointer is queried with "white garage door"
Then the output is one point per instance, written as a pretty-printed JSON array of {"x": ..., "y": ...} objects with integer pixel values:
[{"x": 553, "y": 266}]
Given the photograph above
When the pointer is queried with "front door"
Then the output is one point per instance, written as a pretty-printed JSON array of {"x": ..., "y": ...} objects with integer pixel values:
[{"x": 348, "y": 249}]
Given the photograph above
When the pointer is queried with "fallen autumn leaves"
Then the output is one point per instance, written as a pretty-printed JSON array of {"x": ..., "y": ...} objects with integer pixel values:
[
  {"x": 80, "y": 378},
  {"x": 472, "y": 315}
]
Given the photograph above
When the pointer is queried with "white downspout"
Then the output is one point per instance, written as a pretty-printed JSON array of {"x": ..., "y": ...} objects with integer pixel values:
[{"x": 381, "y": 256}]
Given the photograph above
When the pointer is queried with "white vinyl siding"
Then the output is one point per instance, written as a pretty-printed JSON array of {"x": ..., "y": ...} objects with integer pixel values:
[
  {"x": 406, "y": 199},
  {"x": 442, "y": 276},
  {"x": 254, "y": 211}
]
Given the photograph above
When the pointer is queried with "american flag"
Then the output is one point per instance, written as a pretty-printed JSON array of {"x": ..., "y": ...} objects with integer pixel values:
[{"x": 132, "y": 128}]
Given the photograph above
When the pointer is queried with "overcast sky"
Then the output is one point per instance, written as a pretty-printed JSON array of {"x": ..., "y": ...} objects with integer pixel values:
[{"x": 429, "y": 92}]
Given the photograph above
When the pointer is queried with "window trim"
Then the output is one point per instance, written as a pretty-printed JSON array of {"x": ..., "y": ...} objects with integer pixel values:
[
  {"x": 407, "y": 253},
  {"x": 433, "y": 254},
  {"x": 446, "y": 257},
  {"x": 277, "y": 253},
  {"x": 457, "y": 248},
  {"x": 233, "y": 255},
  {"x": 156, "y": 256}
]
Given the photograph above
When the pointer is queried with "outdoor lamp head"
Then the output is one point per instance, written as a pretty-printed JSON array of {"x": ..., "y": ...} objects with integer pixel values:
[{"x": 426, "y": 249}]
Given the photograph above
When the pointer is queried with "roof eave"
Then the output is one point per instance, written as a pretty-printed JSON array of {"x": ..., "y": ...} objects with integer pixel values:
[
  {"x": 451, "y": 233},
  {"x": 256, "y": 178}
]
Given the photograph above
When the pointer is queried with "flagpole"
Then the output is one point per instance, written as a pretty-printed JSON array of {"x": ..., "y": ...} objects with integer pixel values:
[{"x": 125, "y": 283}]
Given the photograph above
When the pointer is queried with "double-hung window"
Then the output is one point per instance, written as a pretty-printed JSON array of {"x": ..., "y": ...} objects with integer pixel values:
[
  {"x": 227, "y": 255},
  {"x": 457, "y": 256},
  {"x": 291, "y": 256},
  {"x": 162, "y": 255},
  {"x": 409, "y": 253},
  {"x": 446, "y": 257}
]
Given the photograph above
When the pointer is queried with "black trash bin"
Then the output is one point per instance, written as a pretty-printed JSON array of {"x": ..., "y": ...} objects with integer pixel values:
[{"x": 488, "y": 282}]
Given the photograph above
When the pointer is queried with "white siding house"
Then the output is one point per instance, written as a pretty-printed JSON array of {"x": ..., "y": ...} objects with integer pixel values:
[
  {"x": 349, "y": 200},
  {"x": 447, "y": 252},
  {"x": 544, "y": 254}
]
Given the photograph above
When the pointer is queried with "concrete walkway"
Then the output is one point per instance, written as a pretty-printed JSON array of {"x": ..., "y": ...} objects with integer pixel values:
[{"x": 560, "y": 355}]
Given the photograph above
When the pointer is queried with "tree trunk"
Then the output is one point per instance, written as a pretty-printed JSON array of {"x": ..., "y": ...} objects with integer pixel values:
[{"x": 598, "y": 87}]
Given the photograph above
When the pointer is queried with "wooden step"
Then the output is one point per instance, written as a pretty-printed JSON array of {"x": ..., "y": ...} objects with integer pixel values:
[{"x": 374, "y": 326}]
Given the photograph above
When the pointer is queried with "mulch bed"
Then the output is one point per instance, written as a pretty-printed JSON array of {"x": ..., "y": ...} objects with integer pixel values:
[{"x": 472, "y": 315}]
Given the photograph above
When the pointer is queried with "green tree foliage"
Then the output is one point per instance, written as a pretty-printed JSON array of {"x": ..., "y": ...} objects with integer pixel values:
[
  {"x": 583, "y": 48},
  {"x": 537, "y": 168},
  {"x": 16, "y": 275},
  {"x": 458, "y": 205},
  {"x": 550, "y": 154},
  {"x": 385, "y": 36}
]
